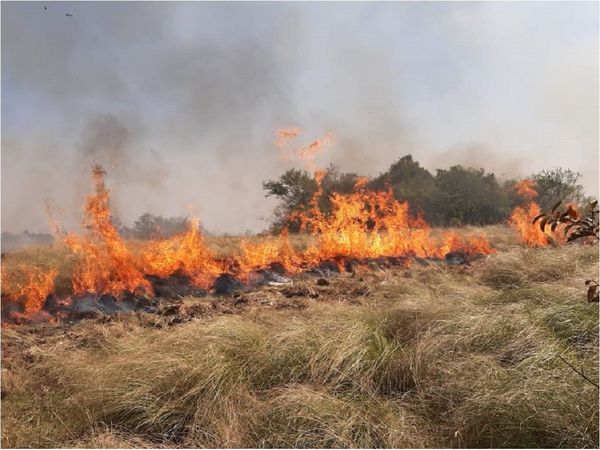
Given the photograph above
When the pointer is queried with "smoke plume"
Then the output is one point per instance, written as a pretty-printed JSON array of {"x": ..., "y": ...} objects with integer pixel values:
[{"x": 181, "y": 101}]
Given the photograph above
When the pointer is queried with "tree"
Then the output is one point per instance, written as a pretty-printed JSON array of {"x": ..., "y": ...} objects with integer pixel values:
[
  {"x": 410, "y": 182},
  {"x": 469, "y": 196},
  {"x": 295, "y": 189},
  {"x": 558, "y": 183},
  {"x": 149, "y": 226}
]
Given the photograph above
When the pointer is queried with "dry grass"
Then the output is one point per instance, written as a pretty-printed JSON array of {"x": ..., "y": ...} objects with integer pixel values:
[{"x": 427, "y": 357}]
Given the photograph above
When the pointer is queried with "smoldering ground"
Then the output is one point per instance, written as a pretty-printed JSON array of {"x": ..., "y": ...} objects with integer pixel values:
[{"x": 180, "y": 100}]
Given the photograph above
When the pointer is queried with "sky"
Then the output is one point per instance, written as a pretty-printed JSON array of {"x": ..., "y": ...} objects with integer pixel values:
[{"x": 180, "y": 101}]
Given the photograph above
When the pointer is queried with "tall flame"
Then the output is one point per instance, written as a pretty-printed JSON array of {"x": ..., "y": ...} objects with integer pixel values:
[
  {"x": 525, "y": 189},
  {"x": 105, "y": 264}
]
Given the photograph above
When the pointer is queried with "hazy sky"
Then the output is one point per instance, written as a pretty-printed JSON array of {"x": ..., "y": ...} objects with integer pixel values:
[{"x": 181, "y": 100}]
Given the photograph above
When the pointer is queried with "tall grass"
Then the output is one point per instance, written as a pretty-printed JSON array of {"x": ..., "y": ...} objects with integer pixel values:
[{"x": 431, "y": 357}]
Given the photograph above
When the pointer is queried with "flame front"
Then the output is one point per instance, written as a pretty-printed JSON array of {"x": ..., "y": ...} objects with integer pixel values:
[
  {"x": 367, "y": 224},
  {"x": 267, "y": 252},
  {"x": 361, "y": 225}
]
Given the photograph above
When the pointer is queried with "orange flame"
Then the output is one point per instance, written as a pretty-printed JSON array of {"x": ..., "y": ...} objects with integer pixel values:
[
  {"x": 262, "y": 254},
  {"x": 105, "y": 264},
  {"x": 521, "y": 219},
  {"x": 30, "y": 286},
  {"x": 367, "y": 224},
  {"x": 525, "y": 189},
  {"x": 311, "y": 151},
  {"x": 306, "y": 154},
  {"x": 284, "y": 135},
  {"x": 361, "y": 225},
  {"x": 185, "y": 253}
]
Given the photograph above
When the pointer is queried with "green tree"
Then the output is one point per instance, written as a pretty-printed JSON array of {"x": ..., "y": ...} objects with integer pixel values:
[
  {"x": 454, "y": 196},
  {"x": 410, "y": 182},
  {"x": 558, "y": 184},
  {"x": 149, "y": 226},
  {"x": 295, "y": 189},
  {"x": 469, "y": 196}
]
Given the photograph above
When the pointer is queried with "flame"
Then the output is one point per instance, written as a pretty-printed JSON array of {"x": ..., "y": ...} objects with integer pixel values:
[
  {"x": 525, "y": 189},
  {"x": 521, "y": 219},
  {"x": 185, "y": 253},
  {"x": 105, "y": 264},
  {"x": 367, "y": 224},
  {"x": 472, "y": 245},
  {"x": 361, "y": 225},
  {"x": 306, "y": 154},
  {"x": 263, "y": 254},
  {"x": 30, "y": 285},
  {"x": 283, "y": 136},
  {"x": 311, "y": 151}
]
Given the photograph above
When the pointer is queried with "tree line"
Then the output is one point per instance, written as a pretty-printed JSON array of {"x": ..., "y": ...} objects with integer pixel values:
[{"x": 450, "y": 197}]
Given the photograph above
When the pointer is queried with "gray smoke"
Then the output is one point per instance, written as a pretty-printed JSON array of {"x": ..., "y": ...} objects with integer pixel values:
[{"x": 180, "y": 101}]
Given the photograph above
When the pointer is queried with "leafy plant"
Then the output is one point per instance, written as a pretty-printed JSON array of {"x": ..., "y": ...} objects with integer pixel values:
[
  {"x": 576, "y": 227},
  {"x": 592, "y": 293}
]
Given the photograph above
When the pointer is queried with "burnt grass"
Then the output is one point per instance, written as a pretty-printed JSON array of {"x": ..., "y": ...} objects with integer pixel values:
[
  {"x": 434, "y": 353},
  {"x": 168, "y": 290}
]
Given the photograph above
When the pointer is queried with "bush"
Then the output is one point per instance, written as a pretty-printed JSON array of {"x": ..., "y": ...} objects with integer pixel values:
[{"x": 558, "y": 184}]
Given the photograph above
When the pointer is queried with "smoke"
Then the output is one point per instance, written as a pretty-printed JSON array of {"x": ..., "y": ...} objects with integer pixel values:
[
  {"x": 106, "y": 138},
  {"x": 180, "y": 101},
  {"x": 478, "y": 155}
]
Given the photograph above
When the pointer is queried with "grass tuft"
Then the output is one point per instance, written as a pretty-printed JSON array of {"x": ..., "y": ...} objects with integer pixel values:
[{"x": 423, "y": 357}]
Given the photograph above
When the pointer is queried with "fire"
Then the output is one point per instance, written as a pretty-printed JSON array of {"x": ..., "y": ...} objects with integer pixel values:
[
  {"x": 105, "y": 264},
  {"x": 310, "y": 152},
  {"x": 284, "y": 135},
  {"x": 360, "y": 225},
  {"x": 30, "y": 285},
  {"x": 472, "y": 245},
  {"x": 305, "y": 154},
  {"x": 367, "y": 224},
  {"x": 521, "y": 219},
  {"x": 267, "y": 252},
  {"x": 185, "y": 253},
  {"x": 525, "y": 189}
]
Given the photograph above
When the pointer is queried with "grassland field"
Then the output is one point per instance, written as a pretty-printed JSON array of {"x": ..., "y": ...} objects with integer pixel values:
[{"x": 427, "y": 356}]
